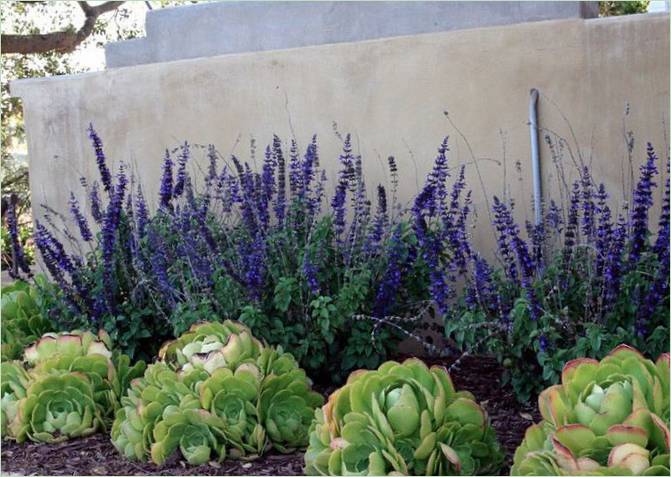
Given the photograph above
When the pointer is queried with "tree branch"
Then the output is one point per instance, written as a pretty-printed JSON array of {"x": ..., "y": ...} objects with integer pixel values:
[
  {"x": 61, "y": 41},
  {"x": 7, "y": 183}
]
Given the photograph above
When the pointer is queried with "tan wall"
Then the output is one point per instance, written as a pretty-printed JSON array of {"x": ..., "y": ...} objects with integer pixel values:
[{"x": 390, "y": 94}]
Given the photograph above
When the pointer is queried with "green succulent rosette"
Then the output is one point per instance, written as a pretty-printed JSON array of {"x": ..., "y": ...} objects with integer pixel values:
[
  {"x": 57, "y": 407},
  {"x": 14, "y": 381},
  {"x": 143, "y": 406},
  {"x": 232, "y": 396},
  {"x": 198, "y": 434},
  {"x": 90, "y": 374},
  {"x": 162, "y": 413},
  {"x": 236, "y": 396},
  {"x": 22, "y": 320},
  {"x": 70, "y": 344},
  {"x": 608, "y": 417},
  {"x": 286, "y": 408},
  {"x": 109, "y": 372},
  {"x": 212, "y": 345},
  {"x": 402, "y": 419},
  {"x": 259, "y": 390}
]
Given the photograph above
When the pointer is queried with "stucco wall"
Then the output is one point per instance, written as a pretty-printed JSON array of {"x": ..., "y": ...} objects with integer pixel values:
[{"x": 390, "y": 94}]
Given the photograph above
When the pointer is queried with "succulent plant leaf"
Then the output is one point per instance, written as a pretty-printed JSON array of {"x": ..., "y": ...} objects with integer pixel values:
[
  {"x": 601, "y": 420},
  {"x": 623, "y": 434},
  {"x": 575, "y": 437}
]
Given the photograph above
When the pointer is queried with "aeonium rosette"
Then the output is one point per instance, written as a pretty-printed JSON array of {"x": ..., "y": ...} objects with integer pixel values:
[
  {"x": 13, "y": 383},
  {"x": 91, "y": 354},
  {"x": 211, "y": 345},
  {"x": 259, "y": 390},
  {"x": 608, "y": 417},
  {"x": 74, "y": 343},
  {"x": 67, "y": 386},
  {"x": 403, "y": 419},
  {"x": 286, "y": 408},
  {"x": 57, "y": 407},
  {"x": 144, "y": 405},
  {"x": 233, "y": 395},
  {"x": 22, "y": 319}
]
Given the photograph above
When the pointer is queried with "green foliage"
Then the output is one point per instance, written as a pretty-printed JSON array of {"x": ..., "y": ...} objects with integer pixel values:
[
  {"x": 216, "y": 392},
  {"x": 605, "y": 418},
  {"x": 135, "y": 331},
  {"x": 25, "y": 238},
  {"x": 403, "y": 419},
  {"x": 608, "y": 9},
  {"x": 23, "y": 317},
  {"x": 565, "y": 328},
  {"x": 68, "y": 385},
  {"x": 320, "y": 330}
]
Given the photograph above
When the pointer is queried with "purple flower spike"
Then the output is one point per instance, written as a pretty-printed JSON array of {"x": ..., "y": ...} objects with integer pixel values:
[
  {"x": 212, "y": 160},
  {"x": 142, "y": 215},
  {"x": 502, "y": 224},
  {"x": 96, "y": 206},
  {"x": 280, "y": 200},
  {"x": 483, "y": 287},
  {"x": 105, "y": 175},
  {"x": 379, "y": 222},
  {"x": 613, "y": 267},
  {"x": 661, "y": 247},
  {"x": 604, "y": 229},
  {"x": 295, "y": 179},
  {"x": 81, "y": 221},
  {"x": 345, "y": 176},
  {"x": 110, "y": 226},
  {"x": 641, "y": 204},
  {"x": 588, "y": 208},
  {"x": 181, "y": 170},
  {"x": 308, "y": 165},
  {"x": 554, "y": 216},
  {"x": 311, "y": 272},
  {"x": 391, "y": 282},
  {"x": 165, "y": 192},
  {"x": 571, "y": 232}
]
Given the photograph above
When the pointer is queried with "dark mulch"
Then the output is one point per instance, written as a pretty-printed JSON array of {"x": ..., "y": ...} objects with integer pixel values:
[{"x": 97, "y": 456}]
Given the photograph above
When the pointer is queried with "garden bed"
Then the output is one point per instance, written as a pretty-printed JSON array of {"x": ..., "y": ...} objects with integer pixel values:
[{"x": 96, "y": 455}]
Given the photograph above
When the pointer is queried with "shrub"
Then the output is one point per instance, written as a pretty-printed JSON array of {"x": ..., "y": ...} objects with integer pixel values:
[
  {"x": 68, "y": 386},
  {"x": 340, "y": 285},
  {"x": 217, "y": 392},
  {"x": 605, "y": 418},
  {"x": 403, "y": 419},
  {"x": 262, "y": 247},
  {"x": 582, "y": 282}
]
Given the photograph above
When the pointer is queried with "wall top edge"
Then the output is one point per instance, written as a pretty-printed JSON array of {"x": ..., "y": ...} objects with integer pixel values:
[{"x": 25, "y": 88}]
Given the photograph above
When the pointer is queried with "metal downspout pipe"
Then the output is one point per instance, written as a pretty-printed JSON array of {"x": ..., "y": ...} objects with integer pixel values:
[{"x": 535, "y": 156}]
